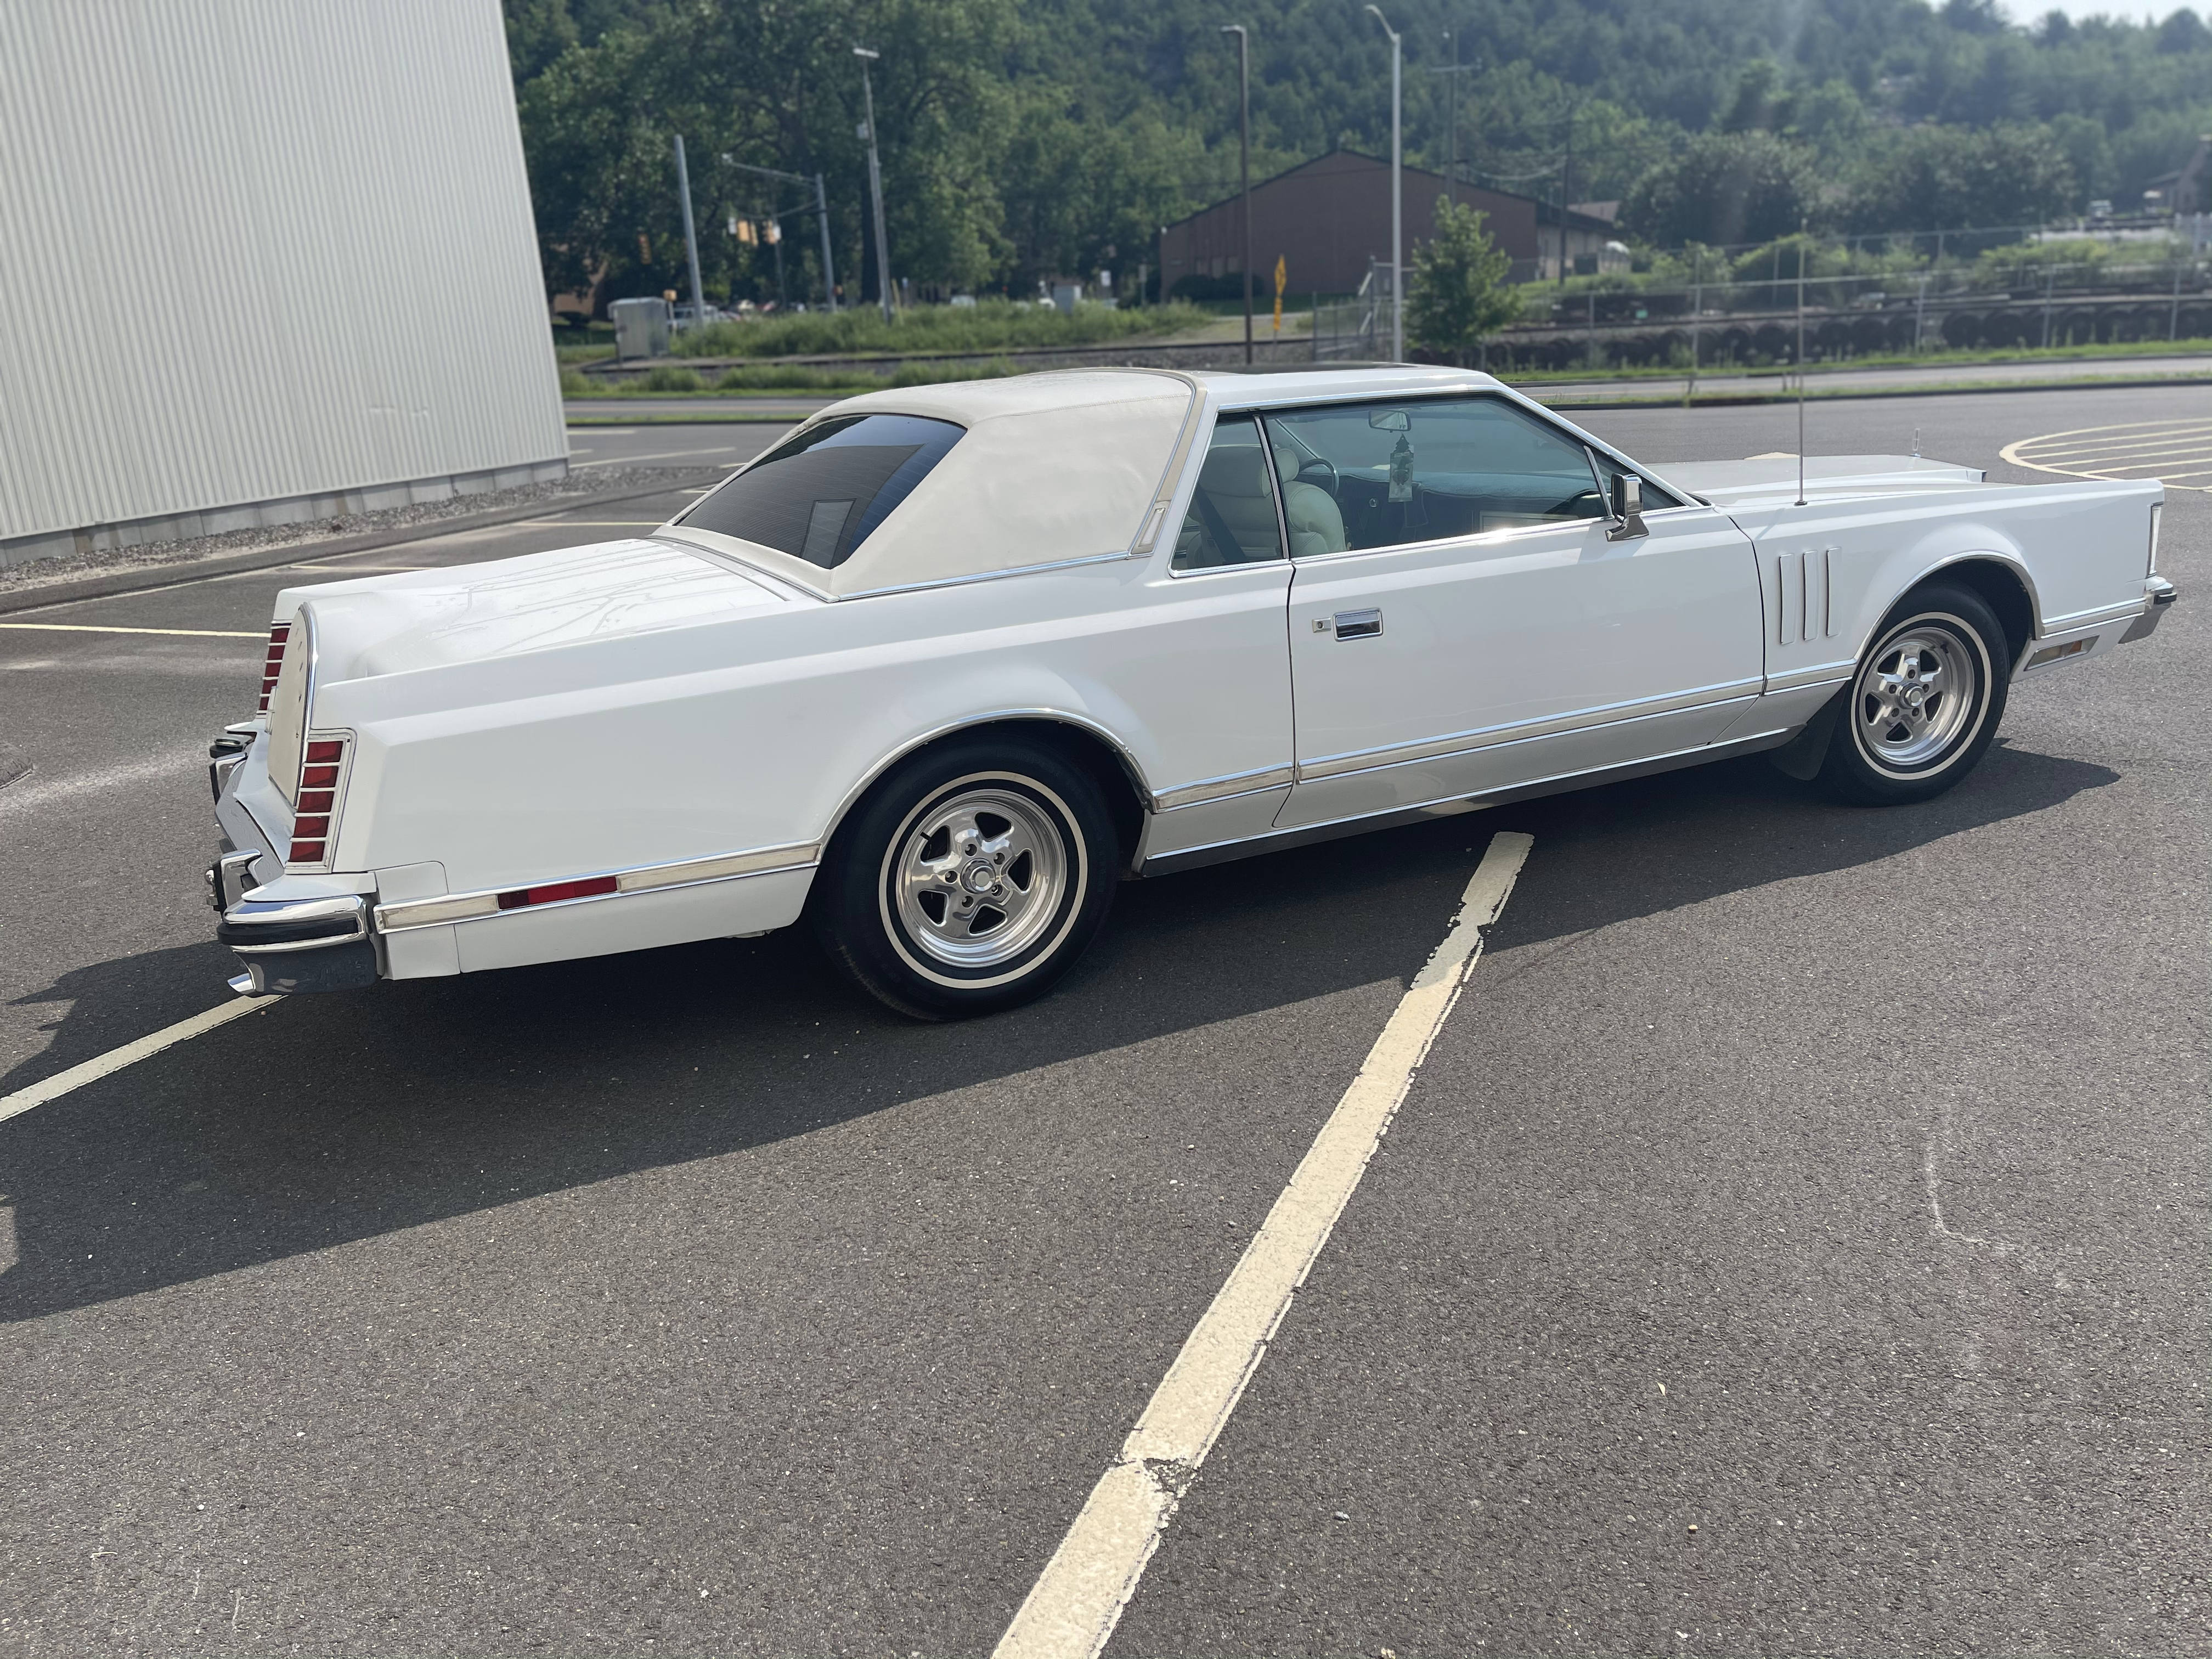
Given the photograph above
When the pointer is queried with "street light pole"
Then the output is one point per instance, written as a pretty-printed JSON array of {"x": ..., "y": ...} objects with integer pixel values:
[
  {"x": 691, "y": 236},
  {"x": 876, "y": 180},
  {"x": 1397, "y": 191},
  {"x": 1244, "y": 161}
]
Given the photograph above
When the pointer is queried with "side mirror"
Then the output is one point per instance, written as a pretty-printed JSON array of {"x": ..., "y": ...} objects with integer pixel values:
[{"x": 1625, "y": 508}]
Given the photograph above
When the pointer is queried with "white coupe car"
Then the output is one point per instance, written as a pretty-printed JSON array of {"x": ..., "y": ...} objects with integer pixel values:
[{"x": 943, "y": 666}]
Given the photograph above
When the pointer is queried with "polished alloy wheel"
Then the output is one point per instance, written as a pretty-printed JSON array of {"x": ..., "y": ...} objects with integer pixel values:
[
  {"x": 1917, "y": 694},
  {"x": 978, "y": 876}
]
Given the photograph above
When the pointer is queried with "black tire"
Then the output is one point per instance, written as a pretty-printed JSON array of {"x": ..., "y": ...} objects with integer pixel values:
[
  {"x": 1057, "y": 864},
  {"x": 1943, "y": 648}
]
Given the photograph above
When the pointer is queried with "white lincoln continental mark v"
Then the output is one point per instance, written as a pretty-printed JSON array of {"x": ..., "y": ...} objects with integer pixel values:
[{"x": 943, "y": 666}]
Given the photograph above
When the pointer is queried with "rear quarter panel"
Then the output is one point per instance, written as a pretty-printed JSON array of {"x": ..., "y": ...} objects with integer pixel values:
[{"x": 755, "y": 731}]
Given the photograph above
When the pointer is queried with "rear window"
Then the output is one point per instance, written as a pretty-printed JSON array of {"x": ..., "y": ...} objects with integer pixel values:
[{"x": 819, "y": 496}]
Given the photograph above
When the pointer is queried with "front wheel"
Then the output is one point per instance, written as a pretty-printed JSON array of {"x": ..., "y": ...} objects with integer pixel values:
[
  {"x": 1924, "y": 705},
  {"x": 970, "y": 879}
]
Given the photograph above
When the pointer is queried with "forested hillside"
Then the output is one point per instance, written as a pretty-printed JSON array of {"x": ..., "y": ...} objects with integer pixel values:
[{"x": 1022, "y": 138}]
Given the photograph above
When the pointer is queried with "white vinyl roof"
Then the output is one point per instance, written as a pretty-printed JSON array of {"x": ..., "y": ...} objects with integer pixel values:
[{"x": 1054, "y": 466}]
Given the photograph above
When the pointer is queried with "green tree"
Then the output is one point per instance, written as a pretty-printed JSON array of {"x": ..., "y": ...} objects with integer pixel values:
[
  {"x": 1946, "y": 178},
  {"x": 1459, "y": 296},
  {"x": 1723, "y": 188}
]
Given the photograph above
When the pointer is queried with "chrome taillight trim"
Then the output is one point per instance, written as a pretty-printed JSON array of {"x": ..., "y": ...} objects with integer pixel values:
[{"x": 345, "y": 740}]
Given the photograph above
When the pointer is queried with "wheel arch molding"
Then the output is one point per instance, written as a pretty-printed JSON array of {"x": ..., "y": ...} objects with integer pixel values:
[
  {"x": 2000, "y": 581},
  {"x": 1084, "y": 741}
]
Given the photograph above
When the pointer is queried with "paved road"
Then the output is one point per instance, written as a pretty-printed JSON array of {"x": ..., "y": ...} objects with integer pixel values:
[
  {"x": 1832, "y": 1181},
  {"x": 1831, "y": 382}
]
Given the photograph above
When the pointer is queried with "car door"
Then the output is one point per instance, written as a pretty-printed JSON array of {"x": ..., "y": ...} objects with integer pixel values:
[{"x": 1462, "y": 619}]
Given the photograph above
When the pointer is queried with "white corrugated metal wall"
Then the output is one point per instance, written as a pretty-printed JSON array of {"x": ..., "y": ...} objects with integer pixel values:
[{"x": 256, "y": 250}]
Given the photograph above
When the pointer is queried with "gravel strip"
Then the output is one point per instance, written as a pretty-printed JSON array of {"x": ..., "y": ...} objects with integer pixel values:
[{"x": 576, "y": 487}]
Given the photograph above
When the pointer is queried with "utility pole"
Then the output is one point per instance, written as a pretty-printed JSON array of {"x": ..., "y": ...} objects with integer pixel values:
[
  {"x": 876, "y": 180},
  {"x": 1566, "y": 191},
  {"x": 691, "y": 235},
  {"x": 1244, "y": 161},
  {"x": 829, "y": 272},
  {"x": 1397, "y": 191},
  {"x": 1451, "y": 139}
]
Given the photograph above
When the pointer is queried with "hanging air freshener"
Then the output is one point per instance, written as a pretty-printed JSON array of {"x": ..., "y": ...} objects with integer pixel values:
[{"x": 1402, "y": 471}]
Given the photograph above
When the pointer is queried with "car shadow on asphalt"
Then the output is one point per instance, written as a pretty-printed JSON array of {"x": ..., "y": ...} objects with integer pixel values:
[{"x": 324, "y": 1120}]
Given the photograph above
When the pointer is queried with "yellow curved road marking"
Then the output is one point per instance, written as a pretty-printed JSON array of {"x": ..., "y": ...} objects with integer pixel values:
[{"x": 2167, "y": 450}]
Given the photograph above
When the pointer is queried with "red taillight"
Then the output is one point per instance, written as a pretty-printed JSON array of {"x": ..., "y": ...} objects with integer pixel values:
[
  {"x": 318, "y": 796},
  {"x": 278, "y": 632},
  {"x": 554, "y": 892}
]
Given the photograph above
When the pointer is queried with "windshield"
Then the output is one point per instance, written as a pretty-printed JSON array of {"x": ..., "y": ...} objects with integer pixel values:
[{"x": 818, "y": 496}]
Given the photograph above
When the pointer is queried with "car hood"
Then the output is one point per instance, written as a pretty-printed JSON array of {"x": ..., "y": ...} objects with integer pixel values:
[
  {"x": 1827, "y": 478},
  {"x": 537, "y": 602}
]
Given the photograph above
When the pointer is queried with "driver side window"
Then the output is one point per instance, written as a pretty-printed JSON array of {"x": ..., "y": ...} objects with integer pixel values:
[{"x": 1426, "y": 470}]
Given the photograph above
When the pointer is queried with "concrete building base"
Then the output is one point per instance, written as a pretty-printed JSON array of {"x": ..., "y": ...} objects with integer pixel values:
[{"x": 268, "y": 515}]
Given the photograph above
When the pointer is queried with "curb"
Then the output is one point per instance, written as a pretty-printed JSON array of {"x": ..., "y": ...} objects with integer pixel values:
[
  {"x": 732, "y": 417},
  {"x": 145, "y": 579}
]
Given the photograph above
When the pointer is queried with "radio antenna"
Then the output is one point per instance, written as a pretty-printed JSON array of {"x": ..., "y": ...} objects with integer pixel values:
[{"x": 1801, "y": 363}]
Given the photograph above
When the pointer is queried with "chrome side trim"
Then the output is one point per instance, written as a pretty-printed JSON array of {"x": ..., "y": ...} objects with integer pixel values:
[
  {"x": 2103, "y": 613},
  {"x": 1818, "y": 674},
  {"x": 407, "y": 914},
  {"x": 1196, "y": 857},
  {"x": 1459, "y": 743},
  {"x": 994, "y": 575},
  {"x": 1223, "y": 788}
]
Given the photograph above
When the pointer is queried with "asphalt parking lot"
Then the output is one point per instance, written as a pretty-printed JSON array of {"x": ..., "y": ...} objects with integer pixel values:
[{"x": 1794, "y": 1241}]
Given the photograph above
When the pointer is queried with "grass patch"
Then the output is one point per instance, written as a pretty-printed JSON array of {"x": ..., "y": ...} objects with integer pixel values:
[
  {"x": 987, "y": 325},
  {"x": 767, "y": 380}
]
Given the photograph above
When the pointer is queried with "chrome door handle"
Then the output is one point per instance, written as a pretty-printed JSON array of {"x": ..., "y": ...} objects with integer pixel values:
[{"x": 1357, "y": 624}]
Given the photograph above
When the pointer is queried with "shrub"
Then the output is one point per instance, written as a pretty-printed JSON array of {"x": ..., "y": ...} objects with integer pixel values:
[
  {"x": 987, "y": 325},
  {"x": 666, "y": 377}
]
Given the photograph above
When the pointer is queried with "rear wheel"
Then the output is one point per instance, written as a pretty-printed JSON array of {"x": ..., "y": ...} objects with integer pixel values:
[
  {"x": 970, "y": 879},
  {"x": 1924, "y": 704}
]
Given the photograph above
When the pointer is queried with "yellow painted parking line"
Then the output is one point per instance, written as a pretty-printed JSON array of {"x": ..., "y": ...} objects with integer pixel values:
[
  {"x": 2167, "y": 451},
  {"x": 87, "y": 627},
  {"x": 130, "y": 1054},
  {"x": 2168, "y": 443},
  {"x": 359, "y": 569},
  {"x": 1073, "y": 1606}
]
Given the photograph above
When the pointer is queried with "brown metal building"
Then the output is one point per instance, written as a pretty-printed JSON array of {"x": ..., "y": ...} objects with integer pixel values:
[{"x": 1327, "y": 217}]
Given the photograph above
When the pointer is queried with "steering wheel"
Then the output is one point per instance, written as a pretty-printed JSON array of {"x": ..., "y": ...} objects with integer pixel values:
[{"x": 1335, "y": 484}]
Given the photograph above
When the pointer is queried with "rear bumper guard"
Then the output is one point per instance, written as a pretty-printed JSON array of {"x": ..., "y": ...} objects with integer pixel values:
[
  {"x": 2162, "y": 596},
  {"x": 300, "y": 945}
]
